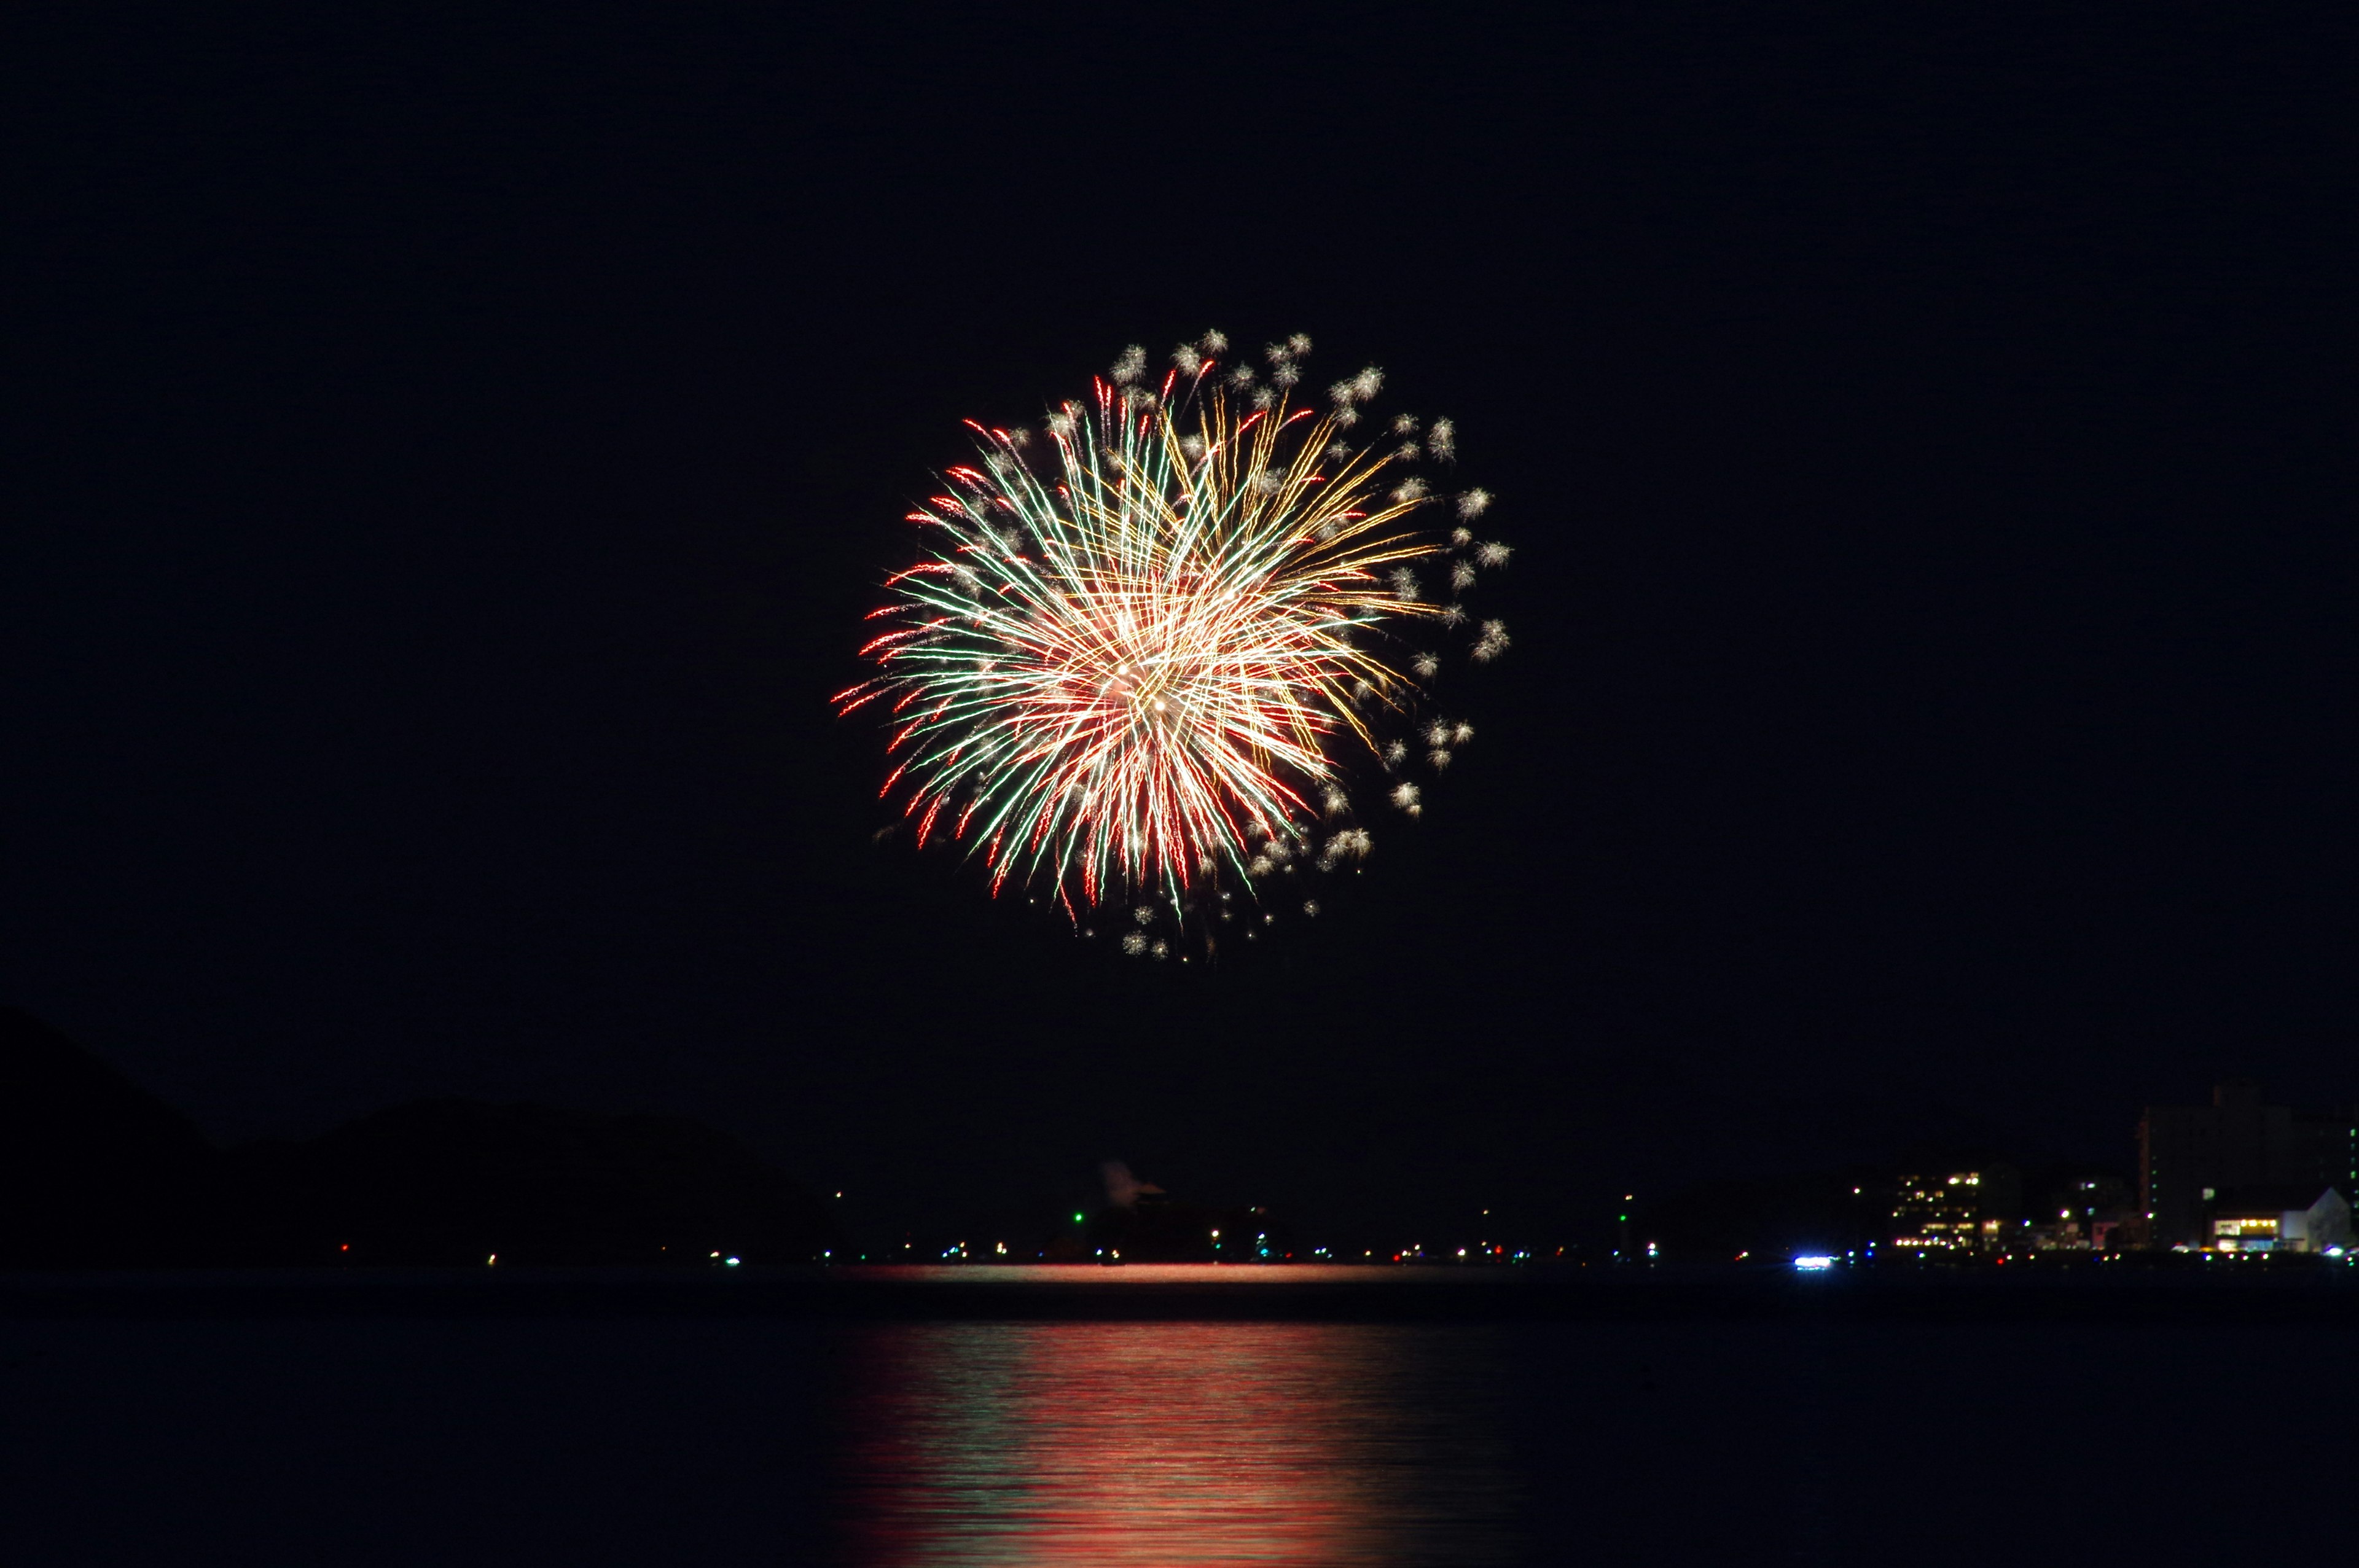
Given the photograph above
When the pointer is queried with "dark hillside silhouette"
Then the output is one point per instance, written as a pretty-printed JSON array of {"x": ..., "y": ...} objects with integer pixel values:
[
  {"x": 453, "y": 1182},
  {"x": 93, "y": 1169},
  {"x": 97, "y": 1173}
]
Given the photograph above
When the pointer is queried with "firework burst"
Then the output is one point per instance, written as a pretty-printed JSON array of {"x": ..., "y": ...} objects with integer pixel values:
[{"x": 1146, "y": 659}]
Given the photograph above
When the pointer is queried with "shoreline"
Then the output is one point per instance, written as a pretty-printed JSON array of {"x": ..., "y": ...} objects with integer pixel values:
[{"x": 1209, "y": 1292}]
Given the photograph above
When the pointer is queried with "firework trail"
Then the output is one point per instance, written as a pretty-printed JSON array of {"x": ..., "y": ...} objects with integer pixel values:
[{"x": 1151, "y": 650}]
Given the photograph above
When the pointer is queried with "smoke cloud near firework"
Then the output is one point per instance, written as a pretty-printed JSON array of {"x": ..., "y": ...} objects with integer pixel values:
[{"x": 1167, "y": 655}]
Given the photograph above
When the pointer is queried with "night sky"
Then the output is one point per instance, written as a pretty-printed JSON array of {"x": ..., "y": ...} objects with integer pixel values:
[{"x": 447, "y": 460}]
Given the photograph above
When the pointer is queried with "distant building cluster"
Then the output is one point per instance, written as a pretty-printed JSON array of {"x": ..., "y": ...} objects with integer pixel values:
[
  {"x": 2237, "y": 1175},
  {"x": 1979, "y": 1211}
]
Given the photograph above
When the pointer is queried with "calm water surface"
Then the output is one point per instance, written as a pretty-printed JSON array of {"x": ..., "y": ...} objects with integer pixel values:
[{"x": 656, "y": 1441}]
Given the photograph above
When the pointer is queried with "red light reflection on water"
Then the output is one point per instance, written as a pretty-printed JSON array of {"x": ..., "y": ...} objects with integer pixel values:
[{"x": 1166, "y": 1443}]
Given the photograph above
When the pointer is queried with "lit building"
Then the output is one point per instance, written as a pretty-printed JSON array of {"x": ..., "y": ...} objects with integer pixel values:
[
  {"x": 2188, "y": 1156},
  {"x": 2287, "y": 1220},
  {"x": 1954, "y": 1211}
]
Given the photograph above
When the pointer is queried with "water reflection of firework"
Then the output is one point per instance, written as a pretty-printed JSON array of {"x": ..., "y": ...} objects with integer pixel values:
[
  {"x": 1159, "y": 654},
  {"x": 1174, "y": 1444}
]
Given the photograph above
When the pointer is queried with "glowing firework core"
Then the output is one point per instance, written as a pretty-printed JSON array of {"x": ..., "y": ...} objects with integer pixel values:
[{"x": 1144, "y": 652}]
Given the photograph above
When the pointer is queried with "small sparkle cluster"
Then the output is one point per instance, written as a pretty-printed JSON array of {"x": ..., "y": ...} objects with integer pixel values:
[{"x": 1160, "y": 650}]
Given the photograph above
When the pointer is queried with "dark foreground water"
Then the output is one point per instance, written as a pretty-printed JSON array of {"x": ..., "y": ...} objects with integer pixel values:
[{"x": 368, "y": 1436}]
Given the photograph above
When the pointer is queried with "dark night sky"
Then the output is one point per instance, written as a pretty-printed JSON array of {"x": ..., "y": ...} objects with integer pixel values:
[{"x": 446, "y": 461}]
